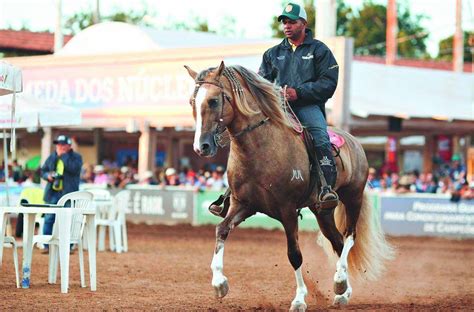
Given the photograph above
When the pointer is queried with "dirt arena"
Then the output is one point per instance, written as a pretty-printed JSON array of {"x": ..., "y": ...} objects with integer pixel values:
[{"x": 167, "y": 268}]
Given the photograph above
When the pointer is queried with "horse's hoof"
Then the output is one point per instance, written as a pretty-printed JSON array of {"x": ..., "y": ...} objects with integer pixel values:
[
  {"x": 298, "y": 307},
  {"x": 341, "y": 300},
  {"x": 340, "y": 287},
  {"x": 222, "y": 288}
]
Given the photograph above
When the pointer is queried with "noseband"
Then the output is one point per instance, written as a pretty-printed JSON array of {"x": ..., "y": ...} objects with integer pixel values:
[{"x": 236, "y": 87}]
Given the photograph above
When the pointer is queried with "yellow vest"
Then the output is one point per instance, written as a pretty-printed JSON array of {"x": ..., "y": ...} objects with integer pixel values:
[{"x": 59, "y": 170}]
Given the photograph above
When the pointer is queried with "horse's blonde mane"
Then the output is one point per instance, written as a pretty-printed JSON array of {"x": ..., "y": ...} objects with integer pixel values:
[{"x": 266, "y": 95}]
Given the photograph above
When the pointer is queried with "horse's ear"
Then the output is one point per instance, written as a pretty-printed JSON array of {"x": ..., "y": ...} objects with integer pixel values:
[
  {"x": 191, "y": 72},
  {"x": 220, "y": 70}
]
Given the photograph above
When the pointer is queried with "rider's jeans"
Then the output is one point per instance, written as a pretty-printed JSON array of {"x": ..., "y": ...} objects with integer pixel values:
[{"x": 313, "y": 119}]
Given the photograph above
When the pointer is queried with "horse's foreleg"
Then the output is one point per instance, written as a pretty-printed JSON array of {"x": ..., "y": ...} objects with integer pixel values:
[
  {"x": 290, "y": 223},
  {"x": 233, "y": 218}
]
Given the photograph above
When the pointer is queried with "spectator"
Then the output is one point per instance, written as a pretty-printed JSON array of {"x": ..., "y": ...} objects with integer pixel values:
[
  {"x": 87, "y": 174},
  {"x": 216, "y": 181},
  {"x": 62, "y": 170},
  {"x": 148, "y": 178},
  {"x": 17, "y": 171},
  {"x": 374, "y": 183},
  {"x": 431, "y": 183},
  {"x": 171, "y": 177},
  {"x": 404, "y": 185},
  {"x": 467, "y": 192},
  {"x": 101, "y": 176}
]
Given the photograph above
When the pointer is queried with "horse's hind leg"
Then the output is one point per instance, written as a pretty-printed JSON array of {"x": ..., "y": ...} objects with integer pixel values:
[
  {"x": 352, "y": 204},
  {"x": 235, "y": 215},
  {"x": 328, "y": 227},
  {"x": 290, "y": 223}
]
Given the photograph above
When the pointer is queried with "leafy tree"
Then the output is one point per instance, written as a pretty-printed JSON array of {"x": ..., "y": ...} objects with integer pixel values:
[
  {"x": 446, "y": 48},
  {"x": 81, "y": 20},
  {"x": 368, "y": 28},
  {"x": 198, "y": 25},
  {"x": 344, "y": 16},
  {"x": 369, "y": 31}
]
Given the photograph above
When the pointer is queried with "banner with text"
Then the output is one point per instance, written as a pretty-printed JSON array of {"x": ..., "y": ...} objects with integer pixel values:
[
  {"x": 427, "y": 216},
  {"x": 156, "y": 205}
]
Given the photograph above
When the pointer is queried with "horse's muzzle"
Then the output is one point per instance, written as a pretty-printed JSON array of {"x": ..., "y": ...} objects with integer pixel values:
[{"x": 207, "y": 145}]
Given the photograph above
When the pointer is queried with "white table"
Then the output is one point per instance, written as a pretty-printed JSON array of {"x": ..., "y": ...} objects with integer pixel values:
[{"x": 63, "y": 221}]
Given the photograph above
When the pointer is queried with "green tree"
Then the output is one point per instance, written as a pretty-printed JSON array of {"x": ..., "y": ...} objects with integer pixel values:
[
  {"x": 344, "y": 16},
  {"x": 446, "y": 48},
  {"x": 368, "y": 28},
  {"x": 81, "y": 20}
]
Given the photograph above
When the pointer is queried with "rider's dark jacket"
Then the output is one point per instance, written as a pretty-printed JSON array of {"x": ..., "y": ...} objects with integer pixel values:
[{"x": 311, "y": 70}]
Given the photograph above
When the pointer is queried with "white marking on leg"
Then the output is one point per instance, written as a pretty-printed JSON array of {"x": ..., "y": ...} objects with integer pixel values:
[
  {"x": 298, "y": 304},
  {"x": 341, "y": 278},
  {"x": 200, "y": 96},
  {"x": 219, "y": 281}
]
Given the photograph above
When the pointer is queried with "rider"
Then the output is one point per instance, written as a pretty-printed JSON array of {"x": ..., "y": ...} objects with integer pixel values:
[{"x": 309, "y": 71}]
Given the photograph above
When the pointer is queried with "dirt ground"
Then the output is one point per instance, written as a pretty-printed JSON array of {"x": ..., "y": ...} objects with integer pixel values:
[{"x": 167, "y": 268}]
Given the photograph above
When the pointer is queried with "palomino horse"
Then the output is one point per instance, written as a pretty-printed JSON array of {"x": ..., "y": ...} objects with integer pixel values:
[{"x": 265, "y": 154}]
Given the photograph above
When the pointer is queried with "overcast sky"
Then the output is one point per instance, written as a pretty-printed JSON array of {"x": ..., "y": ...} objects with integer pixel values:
[{"x": 252, "y": 17}]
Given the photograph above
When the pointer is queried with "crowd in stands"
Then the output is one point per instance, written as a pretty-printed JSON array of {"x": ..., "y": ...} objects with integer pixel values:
[
  {"x": 446, "y": 178},
  {"x": 208, "y": 178}
]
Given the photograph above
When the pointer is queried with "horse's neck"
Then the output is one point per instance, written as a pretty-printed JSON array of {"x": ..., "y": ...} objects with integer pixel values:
[{"x": 256, "y": 141}]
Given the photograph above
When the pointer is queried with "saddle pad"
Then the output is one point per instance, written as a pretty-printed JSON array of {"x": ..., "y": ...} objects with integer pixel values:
[{"x": 335, "y": 138}]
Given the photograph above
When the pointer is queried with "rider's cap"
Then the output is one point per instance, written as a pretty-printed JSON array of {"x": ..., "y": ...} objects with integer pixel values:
[
  {"x": 63, "y": 139},
  {"x": 293, "y": 11}
]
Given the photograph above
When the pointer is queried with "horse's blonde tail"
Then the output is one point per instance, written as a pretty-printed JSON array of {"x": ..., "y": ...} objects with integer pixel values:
[{"x": 371, "y": 251}]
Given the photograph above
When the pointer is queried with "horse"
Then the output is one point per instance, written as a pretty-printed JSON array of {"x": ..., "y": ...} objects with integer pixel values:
[{"x": 265, "y": 153}]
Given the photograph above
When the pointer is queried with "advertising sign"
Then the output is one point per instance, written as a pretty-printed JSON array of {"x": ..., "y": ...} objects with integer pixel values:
[
  {"x": 427, "y": 216},
  {"x": 156, "y": 205}
]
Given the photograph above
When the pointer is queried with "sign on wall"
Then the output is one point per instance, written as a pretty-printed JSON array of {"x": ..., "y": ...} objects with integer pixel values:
[
  {"x": 160, "y": 206},
  {"x": 427, "y": 216}
]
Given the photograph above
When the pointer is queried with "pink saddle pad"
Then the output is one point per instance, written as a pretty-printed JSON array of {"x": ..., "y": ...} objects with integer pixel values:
[{"x": 335, "y": 138}]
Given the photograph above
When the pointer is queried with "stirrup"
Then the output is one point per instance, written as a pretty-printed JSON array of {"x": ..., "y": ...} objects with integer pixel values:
[
  {"x": 328, "y": 198},
  {"x": 217, "y": 210}
]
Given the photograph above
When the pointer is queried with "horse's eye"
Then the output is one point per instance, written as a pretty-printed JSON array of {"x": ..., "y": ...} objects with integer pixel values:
[{"x": 213, "y": 103}]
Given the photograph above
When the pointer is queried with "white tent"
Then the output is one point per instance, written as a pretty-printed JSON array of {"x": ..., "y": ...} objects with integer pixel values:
[
  {"x": 33, "y": 113},
  {"x": 10, "y": 79},
  {"x": 22, "y": 111},
  {"x": 10, "y": 83}
]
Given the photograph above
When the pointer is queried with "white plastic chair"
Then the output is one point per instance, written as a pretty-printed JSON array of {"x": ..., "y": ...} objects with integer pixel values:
[
  {"x": 10, "y": 240},
  {"x": 34, "y": 195},
  {"x": 79, "y": 199},
  {"x": 115, "y": 219},
  {"x": 102, "y": 199}
]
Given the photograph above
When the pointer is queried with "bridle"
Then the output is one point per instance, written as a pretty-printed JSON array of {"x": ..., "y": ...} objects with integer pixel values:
[{"x": 236, "y": 87}]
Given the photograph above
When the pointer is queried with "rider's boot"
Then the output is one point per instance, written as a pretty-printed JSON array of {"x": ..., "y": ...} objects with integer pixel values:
[
  {"x": 220, "y": 207},
  {"x": 328, "y": 197}
]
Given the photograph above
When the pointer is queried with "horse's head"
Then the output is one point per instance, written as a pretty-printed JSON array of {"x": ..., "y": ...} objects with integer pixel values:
[{"x": 211, "y": 109}]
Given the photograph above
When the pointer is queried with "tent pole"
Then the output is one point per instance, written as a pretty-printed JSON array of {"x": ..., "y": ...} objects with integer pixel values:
[{"x": 5, "y": 162}]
